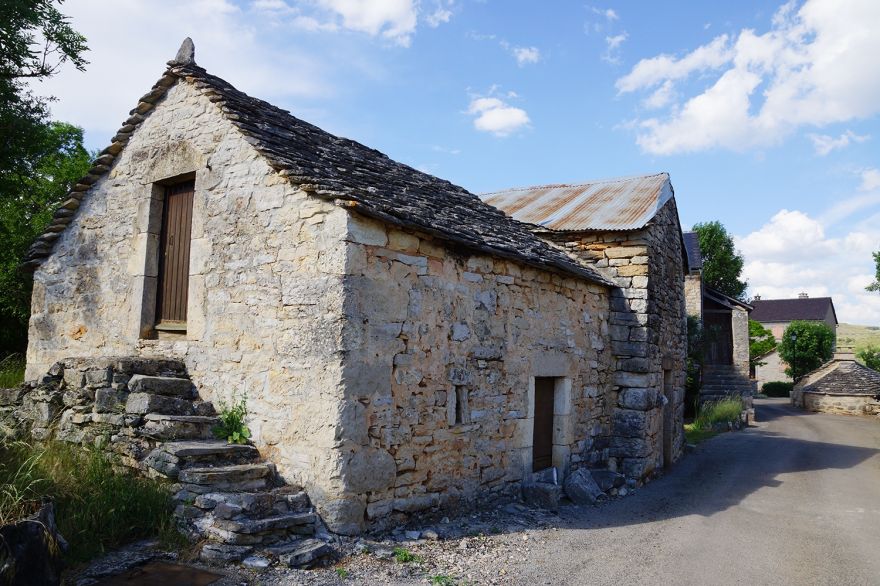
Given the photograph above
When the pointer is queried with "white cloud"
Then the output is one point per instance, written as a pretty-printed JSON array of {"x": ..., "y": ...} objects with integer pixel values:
[
  {"x": 813, "y": 66},
  {"x": 608, "y": 13},
  {"x": 395, "y": 20},
  {"x": 824, "y": 144},
  {"x": 794, "y": 253},
  {"x": 612, "y": 48},
  {"x": 496, "y": 116},
  {"x": 526, "y": 55},
  {"x": 662, "y": 96},
  {"x": 870, "y": 179},
  {"x": 130, "y": 41}
]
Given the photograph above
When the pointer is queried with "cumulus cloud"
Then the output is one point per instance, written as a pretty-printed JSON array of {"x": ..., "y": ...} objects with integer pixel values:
[
  {"x": 811, "y": 67},
  {"x": 824, "y": 144},
  {"x": 870, "y": 179},
  {"x": 495, "y": 116},
  {"x": 794, "y": 252},
  {"x": 395, "y": 20}
]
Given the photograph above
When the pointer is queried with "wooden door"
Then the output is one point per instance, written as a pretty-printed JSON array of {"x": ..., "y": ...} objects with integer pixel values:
[
  {"x": 174, "y": 256},
  {"x": 718, "y": 334},
  {"x": 542, "y": 441}
]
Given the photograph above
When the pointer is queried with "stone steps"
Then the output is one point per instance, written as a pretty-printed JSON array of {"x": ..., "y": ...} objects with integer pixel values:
[
  {"x": 178, "y": 427},
  {"x": 171, "y": 458},
  {"x": 162, "y": 385},
  {"x": 235, "y": 477}
]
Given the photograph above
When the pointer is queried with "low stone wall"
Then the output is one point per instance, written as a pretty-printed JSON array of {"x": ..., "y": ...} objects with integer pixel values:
[{"x": 850, "y": 404}]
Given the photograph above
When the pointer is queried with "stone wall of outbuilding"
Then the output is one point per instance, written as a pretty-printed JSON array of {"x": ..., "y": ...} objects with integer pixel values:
[
  {"x": 442, "y": 348},
  {"x": 648, "y": 332},
  {"x": 265, "y": 285}
]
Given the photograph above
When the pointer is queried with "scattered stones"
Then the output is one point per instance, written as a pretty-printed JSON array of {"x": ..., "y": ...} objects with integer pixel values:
[
  {"x": 607, "y": 479},
  {"x": 256, "y": 561},
  {"x": 581, "y": 488},
  {"x": 543, "y": 495}
]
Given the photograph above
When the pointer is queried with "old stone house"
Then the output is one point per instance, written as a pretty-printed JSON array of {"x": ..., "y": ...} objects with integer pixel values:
[
  {"x": 841, "y": 386},
  {"x": 402, "y": 345},
  {"x": 776, "y": 315},
  {"x": 628, "y": 230},
  {"x": 725, "y": 327}
]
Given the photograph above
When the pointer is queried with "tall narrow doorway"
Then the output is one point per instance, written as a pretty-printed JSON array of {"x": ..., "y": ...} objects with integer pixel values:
[
  {"x": 542, "y": 440},
  {"x": 174, "y": 245}
]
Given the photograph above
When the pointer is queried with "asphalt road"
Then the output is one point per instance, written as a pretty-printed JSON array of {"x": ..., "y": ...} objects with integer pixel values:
[{"x": 793, "y": 500}]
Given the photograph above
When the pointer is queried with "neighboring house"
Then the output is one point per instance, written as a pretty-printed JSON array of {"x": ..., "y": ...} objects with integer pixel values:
[
  {"x": 628, "y": 230},
  {"x": 841, "y": 385},
  {"x": 776, "y": 315},
  {"x": 725, "y": 323},
  {"x": 402, "y": 344}
]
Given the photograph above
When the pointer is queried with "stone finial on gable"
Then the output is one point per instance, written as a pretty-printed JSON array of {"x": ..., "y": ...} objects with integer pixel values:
[{"x": 186, "y": 55}]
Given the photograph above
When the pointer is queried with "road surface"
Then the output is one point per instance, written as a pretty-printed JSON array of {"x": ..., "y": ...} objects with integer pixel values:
[{"x": 793, "y": 500}]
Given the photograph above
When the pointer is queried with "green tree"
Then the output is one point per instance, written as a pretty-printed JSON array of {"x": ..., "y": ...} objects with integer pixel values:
[
  {"x": 693, "y": 364},
  {"x": 722, "y": 265},
  {"x": 39, "y": 159},
  {"x": 875, "y": 286},
  {"x": 805, "y": 346},
  {"x": 761, "y": 343},
  {"x": 869, "y": 356}
]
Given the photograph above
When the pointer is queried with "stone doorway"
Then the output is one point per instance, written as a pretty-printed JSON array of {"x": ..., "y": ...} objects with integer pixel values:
[{"x": 542, "y": 439}]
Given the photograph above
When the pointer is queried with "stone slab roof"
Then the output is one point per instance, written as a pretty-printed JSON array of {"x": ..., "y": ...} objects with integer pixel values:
[
  {"x": 622, "y": 203},
  {"x": 842, "y": 377},
  {"x": 692, "y": 249},
  {"x": 785, "y": 310},
  {"x": 341, "y": 170}
]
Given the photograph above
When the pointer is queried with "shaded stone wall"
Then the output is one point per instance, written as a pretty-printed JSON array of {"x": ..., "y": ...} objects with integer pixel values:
[
  {"x": 648, "y": 334},
  {"x": 442, "y": 347},
  {"x": 265, "y": 286}
]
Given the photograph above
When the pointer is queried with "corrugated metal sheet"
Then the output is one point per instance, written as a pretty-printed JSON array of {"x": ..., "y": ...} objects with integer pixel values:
[{"x": 624, "y": 203}]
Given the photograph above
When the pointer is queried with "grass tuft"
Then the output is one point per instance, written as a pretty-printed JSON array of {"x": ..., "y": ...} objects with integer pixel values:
[
  {"x": 405, "y": 556},
  {"x": 12, "y": 371},
  {"x": 96, "y": 507},
  {"x": 709, "y": 415}
]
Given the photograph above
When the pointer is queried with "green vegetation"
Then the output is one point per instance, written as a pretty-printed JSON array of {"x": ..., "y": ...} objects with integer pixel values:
[
  {"x": 693, "y": 364},
  {"x": 96, "y": 507},
  {"x": 232, "y": 427},
  {"x": 39, "y": 159},
  {"x": 722, "y": 265},
  {"x": 405, "y": 556},
  {"x": 869, "y": 356},
  {"x": 761, "y": 343},
  {"x": 12, "y": 371},
  {"x": 710, "y": 415},
  {"x": 875, "y": 286},
  {"x": 342, "y": 572},
  {"x": 805, "y": 347},
  {"x": 853, "y": 336},
  {"x": 442, "y": 580},
  {"x": 777, "y": 389}
]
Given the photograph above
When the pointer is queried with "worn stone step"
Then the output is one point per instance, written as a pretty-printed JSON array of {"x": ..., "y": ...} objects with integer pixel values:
[
  {"x": 143, "y": 403},
  {"x": 178, "y": 427},
  {"x": 287, "y": 521},
  {"x": 226, "y": 505},
  {"x": 170, "y": 458},
  {"x": 162, "y": 385},
  {"x": 237, "y": 477},
  {"x": 307, "y": 553}
]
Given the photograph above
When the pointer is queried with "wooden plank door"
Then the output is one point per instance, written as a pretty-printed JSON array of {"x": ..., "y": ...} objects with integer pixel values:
[
  {"x": 718, "y": 333},
  {"x": 174, "y": 256},
  {"x": 542, "y": 440}
]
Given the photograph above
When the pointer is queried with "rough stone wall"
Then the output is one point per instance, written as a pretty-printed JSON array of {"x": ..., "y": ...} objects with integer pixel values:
[
  {"x": 772, "y": 370},
  {"x": 265, "y": 286},
  {"x": 648, "y": 334},
  {"x": 693, "y": 294},
  {"x": 739, "y": 322},
  {"x": 429, "y": 327},
  {"x": 839, "y": 404}
]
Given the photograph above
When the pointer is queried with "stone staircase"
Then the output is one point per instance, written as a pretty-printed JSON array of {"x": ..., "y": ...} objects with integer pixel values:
[
  {"x": 226, "y": 496},
  {"x": 225, "y": 493},
  {"x": 720, "y": 381}
]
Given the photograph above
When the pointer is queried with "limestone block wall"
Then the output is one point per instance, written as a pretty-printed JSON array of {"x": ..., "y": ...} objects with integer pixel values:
[
  {"x": 693, "y": 294},
  {"x": 442, "y": 347},
  {"x": 772, "y": 370},
  {"x": 838, "y": 403},
  {"x": 739, "y": 321},
  {"x": 265, "y": 286},
  {"x": 648, "y": 335}
]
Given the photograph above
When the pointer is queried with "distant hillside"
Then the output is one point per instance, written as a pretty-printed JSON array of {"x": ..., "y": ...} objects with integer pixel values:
[{"x": 852, "y": 336}]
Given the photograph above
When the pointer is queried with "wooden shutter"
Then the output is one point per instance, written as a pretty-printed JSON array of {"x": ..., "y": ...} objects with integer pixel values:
[
  {"x": 174, "y": 256},
  {"x": 542, "y": 441}
]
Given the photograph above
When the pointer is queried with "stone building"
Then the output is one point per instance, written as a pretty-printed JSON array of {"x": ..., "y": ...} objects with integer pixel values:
[
  {"x": 627, "y": 229},
  {"x": 776, "y": 315},
  {"x": 402, "y": 345},
  {"x": 841, "y": 386},
  {"x": 725, "y": 324}
]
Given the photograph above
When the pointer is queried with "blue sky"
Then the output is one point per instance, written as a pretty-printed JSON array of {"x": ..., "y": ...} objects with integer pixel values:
[{"x": 765, "y": 115}]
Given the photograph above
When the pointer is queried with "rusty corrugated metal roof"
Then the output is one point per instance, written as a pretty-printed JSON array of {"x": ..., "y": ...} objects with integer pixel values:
[{"x": 623, "y": 203}]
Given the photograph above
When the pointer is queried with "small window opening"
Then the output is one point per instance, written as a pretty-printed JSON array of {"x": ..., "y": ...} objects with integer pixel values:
[{"x": 460, "y": 401}]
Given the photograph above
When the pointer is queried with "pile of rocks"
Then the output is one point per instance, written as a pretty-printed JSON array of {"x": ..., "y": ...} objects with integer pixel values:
[
  {"x": 582, "y": 487},
  {"x": 147, "y": 413}
]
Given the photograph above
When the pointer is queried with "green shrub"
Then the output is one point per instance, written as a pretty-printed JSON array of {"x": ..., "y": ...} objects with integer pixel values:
[
  {"x": 812, "y": 347},
  {"x": 232, "y": 427},
  {"x": 96, "y": 507},
  {"x": 12, "y": 371},
  {"x": 777, "y": 389},
  {"x": 711, "y": 413},
  {"x": 868, "y": 355},
  {"x": 405, "y": 556}
]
